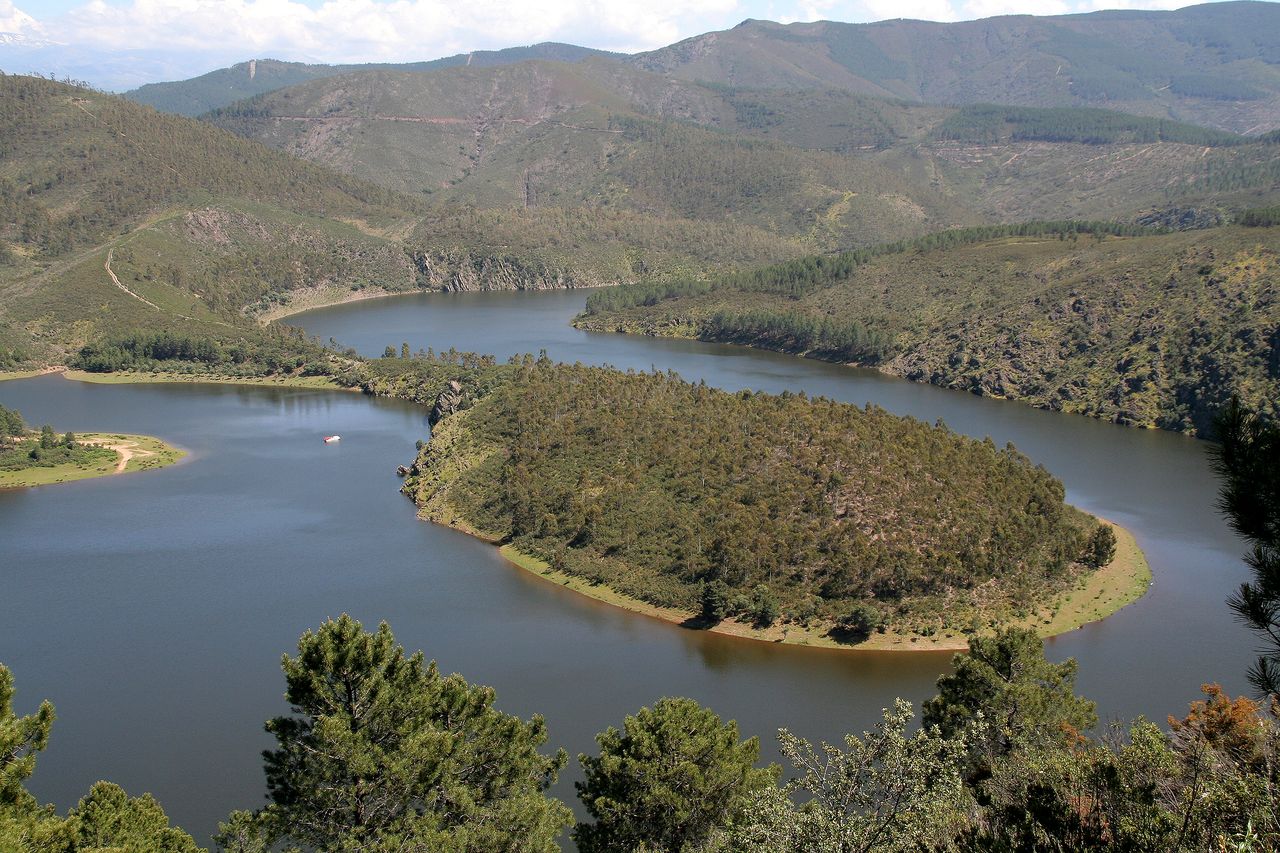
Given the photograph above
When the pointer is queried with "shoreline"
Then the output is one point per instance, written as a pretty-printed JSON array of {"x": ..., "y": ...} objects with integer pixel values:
[
  {"x": 7, "y": 375},
  {"x": 883, "y": 371},
  {"x": 314, "y": 301},
  {"x": 133, "y": 377},
  {"x": 1102, "y": 593},
  {"x": 135, "y": 453}
]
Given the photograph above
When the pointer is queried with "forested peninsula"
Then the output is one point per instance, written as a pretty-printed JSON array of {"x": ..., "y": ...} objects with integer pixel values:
[{"x": 781, "y": 517}]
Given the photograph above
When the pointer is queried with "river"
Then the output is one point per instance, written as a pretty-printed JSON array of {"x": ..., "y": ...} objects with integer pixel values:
[{"x": 152, "y": 609}]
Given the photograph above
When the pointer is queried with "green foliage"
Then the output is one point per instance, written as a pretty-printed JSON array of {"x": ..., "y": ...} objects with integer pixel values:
[
  {"x": 886, "y": 791},
  {"x": 11, "y": 425},
  {"x": 23, "y": 451},
  {"x": 1154, "y": 330},
  {"x": 657, "y": 487},
  {"x": 1220, "y": 87},
  {"x": 715, "y": 601},
  {"x": 278, "y": 351},
  {"x": 1100, "y": 549},
  {"x": 807, "y": 275},
  {"x": 1027, "y": 701},
  {"x": 1260, "y": 217},
  {"x": 859, "y": 621},
  {"x": 382, "y": 751},
  {"x": 21, "y": 740},
  {"x": 107, "y": 819},
  {"x": 120, "y": 161},
  {"x": 764, "y": 607},
  {"x": 1248, "y": 461},
  {"x": 665, "y": 782},
  {"x": 989, "y": 123}
]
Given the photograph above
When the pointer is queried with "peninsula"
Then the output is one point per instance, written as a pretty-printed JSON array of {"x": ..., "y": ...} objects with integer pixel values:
[
  {"x": 42, "y": 457},
  {"x": 806, "y": 521}
]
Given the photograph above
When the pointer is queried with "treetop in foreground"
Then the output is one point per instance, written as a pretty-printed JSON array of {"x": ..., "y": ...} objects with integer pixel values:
[{"x": 382, "y": 752}]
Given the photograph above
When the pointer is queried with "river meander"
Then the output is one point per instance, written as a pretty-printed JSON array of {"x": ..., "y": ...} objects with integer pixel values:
[{"x": 152, "y": 609}]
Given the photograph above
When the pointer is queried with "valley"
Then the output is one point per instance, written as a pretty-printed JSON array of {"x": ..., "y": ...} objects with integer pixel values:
[{"x": 739, "y": 381}]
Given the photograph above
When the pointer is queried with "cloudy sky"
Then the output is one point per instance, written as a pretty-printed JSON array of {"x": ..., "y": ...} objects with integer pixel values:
[{"x": 117, "y": 43}]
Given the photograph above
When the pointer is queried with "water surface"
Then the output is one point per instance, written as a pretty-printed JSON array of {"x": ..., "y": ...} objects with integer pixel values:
[{"x": 153, "y": 608}]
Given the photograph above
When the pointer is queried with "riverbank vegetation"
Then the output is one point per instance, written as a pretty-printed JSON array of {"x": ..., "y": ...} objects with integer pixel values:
[
  {"x": 1155, "y": 330},
  {"x": 39, "y": 457},
  {"x": 764, "y": 509},
  {"x": 380, "y": 752}
]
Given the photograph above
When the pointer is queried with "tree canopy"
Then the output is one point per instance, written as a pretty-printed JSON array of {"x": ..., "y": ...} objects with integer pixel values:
[{"x": 381, "y": 751}]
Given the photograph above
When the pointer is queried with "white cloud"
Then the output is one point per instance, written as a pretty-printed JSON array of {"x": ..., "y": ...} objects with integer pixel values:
[
  {"x": 388, "y": 30},
  {"x": 14, "y": 20}
]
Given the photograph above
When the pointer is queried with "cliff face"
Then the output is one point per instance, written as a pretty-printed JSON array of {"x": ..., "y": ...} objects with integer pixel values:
[{"x": 460, "y": 271}]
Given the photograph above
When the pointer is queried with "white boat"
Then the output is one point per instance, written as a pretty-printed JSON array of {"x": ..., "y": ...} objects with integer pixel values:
[{"x": 330, "y": 439}]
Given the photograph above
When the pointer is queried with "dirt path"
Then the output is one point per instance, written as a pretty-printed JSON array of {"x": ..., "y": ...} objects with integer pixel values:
[
  {"x": 107, "y": 267},
  {"x": 127, "y": 450}
]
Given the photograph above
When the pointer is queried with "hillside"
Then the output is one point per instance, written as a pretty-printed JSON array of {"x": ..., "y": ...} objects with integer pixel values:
[
  {"x": 245, "y": 79},
  {"x": 114, "y": 217},
  {"x": 785, "y": 171},
  {"x": 1154, "y": 330},
  {"x": 805, "y": 510},
  {"x": 1216, "y": 64}
]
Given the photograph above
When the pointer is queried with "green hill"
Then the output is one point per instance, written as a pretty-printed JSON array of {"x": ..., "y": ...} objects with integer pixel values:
[
  {"x": 1154, "y": 330},
  {"x": 804, "y": 511},
  {"x": 245, "y": 79},
  {"x": 114, "y": 217},
  {"x": 1216, "y": 64}
]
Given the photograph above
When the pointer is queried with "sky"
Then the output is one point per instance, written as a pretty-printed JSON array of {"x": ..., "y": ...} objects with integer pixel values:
[{"x": 117, "y": 43}]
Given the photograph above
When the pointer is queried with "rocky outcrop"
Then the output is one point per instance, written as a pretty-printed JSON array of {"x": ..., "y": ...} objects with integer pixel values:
[
  {"x": 460, "y": 271},
  {"x": 448, "y": 402}
]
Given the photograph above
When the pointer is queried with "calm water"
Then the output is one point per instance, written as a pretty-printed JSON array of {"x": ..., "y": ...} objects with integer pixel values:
[{"x": 152, "y": 609}]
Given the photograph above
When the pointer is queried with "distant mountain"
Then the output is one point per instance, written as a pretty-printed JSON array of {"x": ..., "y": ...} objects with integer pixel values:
[
  {"x": 780, "y": 170},
  {"x": 246, "y": 79},
  {"x": 1216, "y": 64}
]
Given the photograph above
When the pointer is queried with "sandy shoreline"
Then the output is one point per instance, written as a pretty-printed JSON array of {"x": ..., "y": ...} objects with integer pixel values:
[{"x": 1102, "y": 593}]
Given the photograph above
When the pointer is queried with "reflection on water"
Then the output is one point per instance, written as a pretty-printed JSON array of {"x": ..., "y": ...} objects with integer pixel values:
[{"x": 152, "y": 609}]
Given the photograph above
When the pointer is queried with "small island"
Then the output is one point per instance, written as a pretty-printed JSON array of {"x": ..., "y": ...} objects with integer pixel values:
[
  {"x": 42, "y": 457},
  {"x": 775, "y": 517}
]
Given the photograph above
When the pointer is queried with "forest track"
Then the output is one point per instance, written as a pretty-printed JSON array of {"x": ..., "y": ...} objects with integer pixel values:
[{"x": 116, "y": 281}]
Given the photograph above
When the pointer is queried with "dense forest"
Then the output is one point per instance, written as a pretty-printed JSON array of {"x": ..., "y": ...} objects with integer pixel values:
[
  {"x": 381, "y": 752},
  {"x": 1135, "y": 327},
  {"x": 797, "y": 511}
]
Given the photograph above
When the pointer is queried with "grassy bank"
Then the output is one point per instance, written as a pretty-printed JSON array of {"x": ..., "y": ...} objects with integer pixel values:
[
  {"x": 311, "y": 298},
  {"x": 128, "y": 377},
  {"x": 133, "y": 453},
  {"x": 6, "y": 375}
]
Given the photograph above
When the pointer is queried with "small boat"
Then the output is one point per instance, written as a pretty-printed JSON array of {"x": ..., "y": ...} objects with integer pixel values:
[{"x": 330, "y": 439}]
